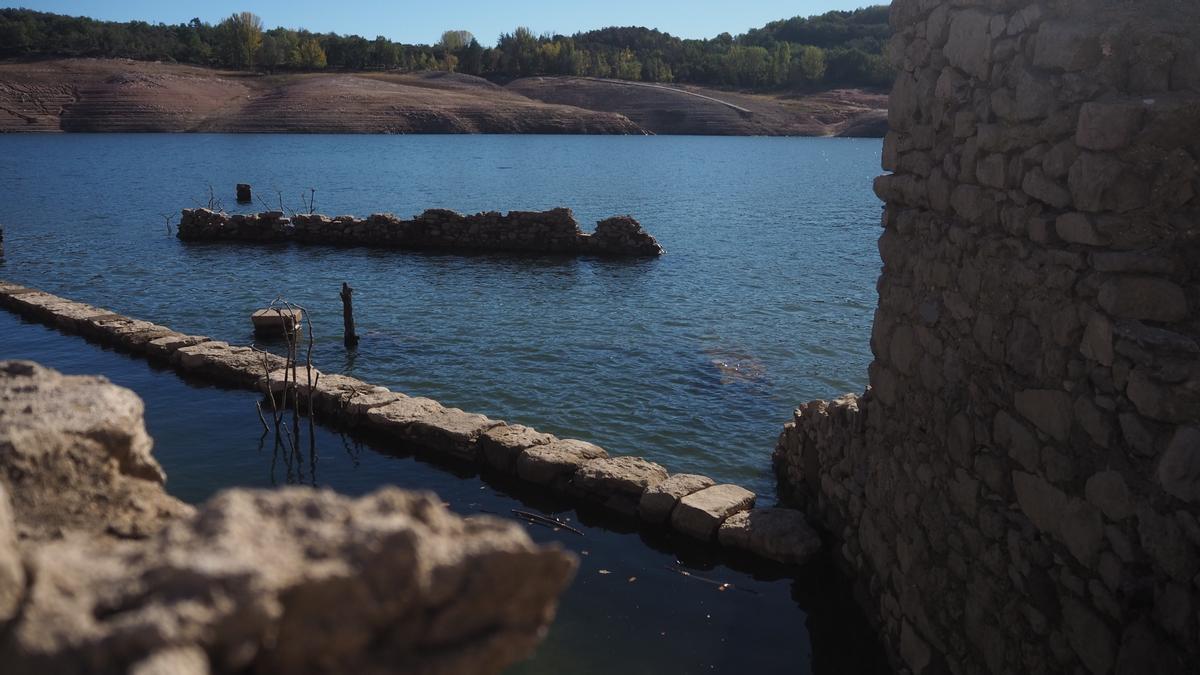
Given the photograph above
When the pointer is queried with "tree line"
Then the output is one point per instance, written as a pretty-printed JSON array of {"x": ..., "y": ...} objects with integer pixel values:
[{"x": 832, "y": 49}]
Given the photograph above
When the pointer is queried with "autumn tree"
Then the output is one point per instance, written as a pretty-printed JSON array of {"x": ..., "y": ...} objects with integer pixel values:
[{"x": 242, "y": 36}]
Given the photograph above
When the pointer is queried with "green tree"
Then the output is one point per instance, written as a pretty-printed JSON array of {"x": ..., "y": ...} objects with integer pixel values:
[
  {"x": 454, "y": 40},
  {"x": 808, "y": 66},
  {"x": 241, "y": 36},
  {"x": 311, "y": 54},
  {"x": 781, "y": 64}
]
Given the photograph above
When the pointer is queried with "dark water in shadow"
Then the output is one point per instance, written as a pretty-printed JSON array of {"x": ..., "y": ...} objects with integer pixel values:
[
  {"x": 695, "y": 360},
  {"x": 642, "y": 616}
]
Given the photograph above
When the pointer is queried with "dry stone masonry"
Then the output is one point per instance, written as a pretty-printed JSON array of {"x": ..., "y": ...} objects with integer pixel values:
[
  {"x": 554, "y": 231},
  {"x": 629, "y": 487},
  {"x": 1019, "y": 488}
]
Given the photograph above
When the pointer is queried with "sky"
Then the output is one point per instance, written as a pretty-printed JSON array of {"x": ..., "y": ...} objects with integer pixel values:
[{"x": 423, "y": 21}]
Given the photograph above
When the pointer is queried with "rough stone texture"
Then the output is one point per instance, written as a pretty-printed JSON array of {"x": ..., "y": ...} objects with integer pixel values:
[
  {"x": 1017, "y": 489},
  {"x": 782, "y": 535},
  {"x": 75, "y": 455},
  {"x": 220, "y": 361},
  {"x": 12, "y": 571},
  {"x": 659, "y": 500},
  {"x": 503, "y": 444},
  {"x": 101, "y": 571},
  {"x": 294, "y": 581},
  {"x": 554, "y": 231},
  {"x": 554, "y": 463},
  {"x": 617, "y": 482},
  {"x": 701, "y": 513}
]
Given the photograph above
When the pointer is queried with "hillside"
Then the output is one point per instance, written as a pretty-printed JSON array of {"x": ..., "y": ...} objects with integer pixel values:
[
  {"x": 676, "y": 109},
  {"x": 120, "y": 95},
  {"x": 113, "y": 95}
]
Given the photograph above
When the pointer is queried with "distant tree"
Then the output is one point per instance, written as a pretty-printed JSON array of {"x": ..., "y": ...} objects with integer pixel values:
[
  {"x": 311, "y": 54},
  {"x": 241, "y": 36},
  {"x": 781, "y": 63},
  {"x": 454, "y": 40},
  {"x": 808, "y": 66}
]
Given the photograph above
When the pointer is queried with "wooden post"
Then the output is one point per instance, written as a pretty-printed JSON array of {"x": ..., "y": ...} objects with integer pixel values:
[
  {"x": 244, "y": 194},
  {"x": 351, "y": 339}
]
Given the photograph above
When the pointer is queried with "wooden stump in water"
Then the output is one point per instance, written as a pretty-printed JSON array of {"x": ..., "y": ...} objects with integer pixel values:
[
  {"x": 351, "y": 339},
  {"x": 244, "y": 194}
]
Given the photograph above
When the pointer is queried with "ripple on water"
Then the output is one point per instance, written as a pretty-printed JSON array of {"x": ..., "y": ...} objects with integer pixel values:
[{"x": 763, "y": 300}]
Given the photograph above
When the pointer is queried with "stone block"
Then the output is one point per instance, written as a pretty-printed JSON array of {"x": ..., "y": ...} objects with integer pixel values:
[
  {"x": 968, "y": 44},
  {"x": 164, "y": 347},
  {"x": 1107, "y": 490},
  {"x": 1108, "y": 126},
  {"x": 700, "y": 514},
  {"x": 659, "y": 500},
  {"x": 554, "y": 463},
  {"x": 1050, "y": 410},
  {"x": 1066, "y": 46},
  {"x": 1076, "y": 228},
  {"x": 782, "y": 535},
  {"x": 501, "y": 445},
  {"x": 618, "y": 482},
  {"x": 1143, "y": 297},
  {"x": 450, "y": 431},
  {"x": 1179, "y": 469}
]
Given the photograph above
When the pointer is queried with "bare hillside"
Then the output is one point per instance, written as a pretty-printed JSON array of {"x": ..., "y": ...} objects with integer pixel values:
[
  {"x": 675, "y": 109},
  {"x": 118, "y": 95},
  {"x": 104, "y": 95}
]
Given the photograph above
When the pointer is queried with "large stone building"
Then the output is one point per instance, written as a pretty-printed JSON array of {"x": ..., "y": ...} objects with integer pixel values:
[{"x": 1019, "y": 488}]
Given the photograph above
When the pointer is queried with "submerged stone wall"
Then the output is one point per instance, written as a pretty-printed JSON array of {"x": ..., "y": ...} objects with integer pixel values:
[
  {"x": 630, "y": 487},
  {"x": 1019, "y": 488},
  {"x": 554, "y": 231}
]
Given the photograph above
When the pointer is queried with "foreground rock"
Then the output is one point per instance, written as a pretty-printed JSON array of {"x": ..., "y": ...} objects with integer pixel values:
[
  {"x": 75, "y": 455},
  {"x": 102, "y": 571},
  {"x": 293, "y": 581}
]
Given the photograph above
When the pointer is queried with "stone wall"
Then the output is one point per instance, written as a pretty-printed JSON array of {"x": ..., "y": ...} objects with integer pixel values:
[
  {"x": 1019, "y": 488},
  {"x": 632, "y": 488},
  {"x": 554, "y": 231}
]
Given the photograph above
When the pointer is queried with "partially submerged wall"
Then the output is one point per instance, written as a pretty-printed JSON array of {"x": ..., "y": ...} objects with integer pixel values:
[
  {"x": 554, "y": 231},
  {"x": 629, "y": 487},
  {"x": 1019, "y": 488}
]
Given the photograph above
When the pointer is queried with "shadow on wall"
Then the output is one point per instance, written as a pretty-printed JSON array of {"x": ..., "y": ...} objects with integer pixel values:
[{"x": 1019, "y": 488}]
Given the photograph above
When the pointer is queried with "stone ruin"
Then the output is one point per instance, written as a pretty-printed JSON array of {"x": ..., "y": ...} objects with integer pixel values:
[
  {"x": 554, "y": 231},
  {"x": 1018, "y": 490},
  {"x": 102, "y": 571}
]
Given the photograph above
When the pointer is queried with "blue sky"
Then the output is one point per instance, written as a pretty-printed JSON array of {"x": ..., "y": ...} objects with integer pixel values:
[{"x": 423, "y": 21}]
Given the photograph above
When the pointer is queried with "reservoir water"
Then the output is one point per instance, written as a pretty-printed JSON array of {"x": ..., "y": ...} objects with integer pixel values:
[{"x": 695, "y": 360}]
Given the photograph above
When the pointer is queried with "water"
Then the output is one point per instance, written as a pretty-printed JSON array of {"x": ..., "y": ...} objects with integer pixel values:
[
  {"x": 695, "y": 360},
  {"x": 641, "y": 616}
]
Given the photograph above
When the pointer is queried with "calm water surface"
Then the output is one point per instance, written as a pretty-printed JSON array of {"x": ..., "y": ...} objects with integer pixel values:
[
  {"x": 695, "y": 360},
  {"x": 764, "y": 299}
]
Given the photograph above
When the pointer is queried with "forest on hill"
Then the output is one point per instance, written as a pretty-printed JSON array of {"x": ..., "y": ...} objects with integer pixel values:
[{"x": 835, "y": 49}]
